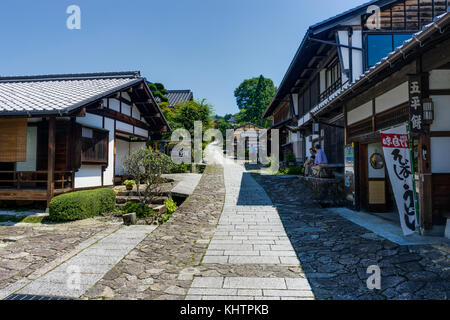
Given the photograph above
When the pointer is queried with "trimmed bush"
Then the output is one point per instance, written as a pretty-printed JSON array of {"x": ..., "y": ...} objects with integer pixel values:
[{"x": 82, "y": 205}]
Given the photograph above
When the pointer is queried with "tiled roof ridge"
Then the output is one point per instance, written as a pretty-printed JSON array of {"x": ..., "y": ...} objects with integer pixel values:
[{"x": 72, "y": 76}]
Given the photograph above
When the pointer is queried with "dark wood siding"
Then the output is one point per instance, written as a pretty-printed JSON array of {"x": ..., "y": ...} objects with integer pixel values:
[
  {"x": 334, "y": 143},
  {"x": 441, "y": 199},
  {"x": 411, "y": 15}
]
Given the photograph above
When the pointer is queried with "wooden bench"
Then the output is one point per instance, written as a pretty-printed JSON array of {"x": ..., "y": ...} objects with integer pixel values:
[{"x": 329, "y": 170}]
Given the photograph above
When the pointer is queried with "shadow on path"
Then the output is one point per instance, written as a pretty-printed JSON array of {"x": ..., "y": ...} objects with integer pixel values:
[{"x": 335, "y": 253}]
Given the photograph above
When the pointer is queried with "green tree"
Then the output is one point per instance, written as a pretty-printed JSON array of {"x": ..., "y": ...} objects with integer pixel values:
[
  {"x": 252, "y": 97},
  {"x": 158, "y": 91},
  {"x": 185, "y": 114},
  {"x": 146, "y": 166},
  {"x": 222, "y": 124},
  {"x": 227, "y": 117}
]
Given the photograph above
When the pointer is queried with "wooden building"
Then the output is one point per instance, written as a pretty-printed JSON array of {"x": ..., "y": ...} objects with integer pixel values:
[
  {"x": 249, "y": 136},
  {"x": 381, "y": 99},
  {"x": 333, "y": 54},
  {"x": 60, "y": 133}
]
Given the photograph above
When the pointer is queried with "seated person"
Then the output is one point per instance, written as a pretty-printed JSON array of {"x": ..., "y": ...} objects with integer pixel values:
[
  {"x": 310, "y": 162},
  {"x": 320, "y": 163}
]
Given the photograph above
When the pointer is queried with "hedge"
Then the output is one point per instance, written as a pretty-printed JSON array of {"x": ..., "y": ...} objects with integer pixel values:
[{"x": 82, "y": 205}]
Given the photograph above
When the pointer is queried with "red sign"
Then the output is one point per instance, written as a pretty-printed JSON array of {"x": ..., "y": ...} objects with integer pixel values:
[{"x": 390, "y": 140}]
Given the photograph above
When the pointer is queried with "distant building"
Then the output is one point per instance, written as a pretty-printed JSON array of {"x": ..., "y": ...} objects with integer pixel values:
[
  {"x": 179, "y": 96},
  {"x": 247, "y": 134}
]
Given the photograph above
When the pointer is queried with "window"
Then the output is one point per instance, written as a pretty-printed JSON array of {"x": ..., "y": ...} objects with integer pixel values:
[
  {"x": 380, "y": 45},
  {"x": 13, "y": 140},
  {"x": 94, "y": 146},
  {"x": 333, "y": 79},
  {"x": 87, "y": 133}
]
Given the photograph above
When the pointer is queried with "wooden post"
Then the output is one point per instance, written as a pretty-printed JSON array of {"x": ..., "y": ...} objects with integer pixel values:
[
  {"x": 51, "y": 160},
  {"x": 425, "y": 182}
]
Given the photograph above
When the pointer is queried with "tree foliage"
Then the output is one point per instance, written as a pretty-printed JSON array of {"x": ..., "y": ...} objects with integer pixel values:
[
  {"x": 185, "y": 114},
  {"x": 252, "y": 97},
  {"x": 222, "y": 124},
  {"x": 146, "y": 166},
  {"x": 159, "y": 92}
]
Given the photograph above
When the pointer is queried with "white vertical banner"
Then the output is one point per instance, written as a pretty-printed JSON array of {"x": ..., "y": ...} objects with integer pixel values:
[{"x": 398, "y": 162}]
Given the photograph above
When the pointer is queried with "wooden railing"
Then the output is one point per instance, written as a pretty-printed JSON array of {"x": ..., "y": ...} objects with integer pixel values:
[
  {"x": 331, "y": 89},
  {"x": 36, "y": 179}
]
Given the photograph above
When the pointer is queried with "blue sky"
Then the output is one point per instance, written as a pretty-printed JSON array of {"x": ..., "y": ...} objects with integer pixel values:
[{"x": 208, "y": 46}]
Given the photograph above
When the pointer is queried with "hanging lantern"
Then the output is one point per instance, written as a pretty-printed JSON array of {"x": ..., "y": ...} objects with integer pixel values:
[{"x": 428, "y": 110}]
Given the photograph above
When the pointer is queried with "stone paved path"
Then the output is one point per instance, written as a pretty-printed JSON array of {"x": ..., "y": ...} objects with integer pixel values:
[
  {"x": 74, "y": 277},
  {"x": 29, "y": 250},
  {"x": 163, "y": 266},
  {"x": 250, "y": 232},
  {"x": 335, "y": 253}
]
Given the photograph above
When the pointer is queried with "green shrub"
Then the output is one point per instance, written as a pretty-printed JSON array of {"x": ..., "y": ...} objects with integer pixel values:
[
  {"x": 180, "y": 168},
  {"x": 142, "y": 211},
  {"x": 171, "y": 206},
  {"x": 129, "y": 183},
  {"x": 292, "y": 171},
  {"x": 290, "y": 157},
  {"x": 82, "y": 205}
]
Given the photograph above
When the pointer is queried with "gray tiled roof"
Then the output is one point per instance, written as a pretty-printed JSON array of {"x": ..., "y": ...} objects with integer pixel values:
[
  {"x": 178, "y": 96},
  {"x": 59, "y": 94}
]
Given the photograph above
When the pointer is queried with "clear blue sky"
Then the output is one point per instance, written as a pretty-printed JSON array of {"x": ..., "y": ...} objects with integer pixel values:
[{"x": 208, "y": 46}]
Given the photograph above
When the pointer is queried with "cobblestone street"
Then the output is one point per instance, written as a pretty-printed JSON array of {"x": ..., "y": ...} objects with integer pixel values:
[
  {"x": 335, "y": 253},
  {"x": 239, "y": 236},
  {"x": 28, "y": 251}
]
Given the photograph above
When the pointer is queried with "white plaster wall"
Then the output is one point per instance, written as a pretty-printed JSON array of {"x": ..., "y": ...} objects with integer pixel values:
[
  {"x": 440, "y": 153},
  {"x": 357, "y": 54},
  {"x": 108, "y": 174},
  {"x": 30, "y": 164},
  {"x": 140, "y": 132},
  {"x": 360, "y": 113},
  {"x": 114, "y": 104},
  {"x": 439, "y": 79},
  {"x": 91, "y": 120},
  {"x": 392, "y": 98},
  {"x": 323, "y": 80},
  {"x": 309, "y": 144},
  {"x": 126, "y": 109},
  {"x": 343, "y": 39},
  {"x": 125, "y": 127},
  {"x": 126, "y": 96},
  {"x": 135, "y": 146},
  {"x": 374, "y": 173},
  {"x": 441, "y": 113},
  {"x": 295, "y": 100},
  {"x": 122, "y": 150},
  {"x": 136, "y": 114},
  {"x": 88, "y": 176}
]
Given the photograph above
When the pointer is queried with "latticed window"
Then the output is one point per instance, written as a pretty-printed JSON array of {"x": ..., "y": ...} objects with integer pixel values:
[{"x": 94, "y": 146}]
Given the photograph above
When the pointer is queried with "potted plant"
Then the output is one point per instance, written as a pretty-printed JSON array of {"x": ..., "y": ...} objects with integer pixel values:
[{"x": 129, "y": 184}]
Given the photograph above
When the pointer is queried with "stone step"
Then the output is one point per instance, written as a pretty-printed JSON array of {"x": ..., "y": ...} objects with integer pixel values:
[
  {"x": 157, "y": 207},
  {"x": 125, "y": 199}
]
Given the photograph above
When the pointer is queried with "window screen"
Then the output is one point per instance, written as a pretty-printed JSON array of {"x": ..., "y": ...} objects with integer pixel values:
[{"x": 13, "y": 140}]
